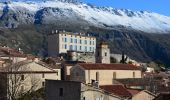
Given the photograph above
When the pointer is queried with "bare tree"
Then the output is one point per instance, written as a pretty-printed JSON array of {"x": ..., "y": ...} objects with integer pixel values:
[{"x": 17, "y": 77}]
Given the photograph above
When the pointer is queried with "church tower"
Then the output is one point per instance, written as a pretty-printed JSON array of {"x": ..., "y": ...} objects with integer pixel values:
[{"x": 103, "y": 53}]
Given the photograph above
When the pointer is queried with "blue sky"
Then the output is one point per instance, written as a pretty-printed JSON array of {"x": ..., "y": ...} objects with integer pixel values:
[{"x": 158, "y": 6}]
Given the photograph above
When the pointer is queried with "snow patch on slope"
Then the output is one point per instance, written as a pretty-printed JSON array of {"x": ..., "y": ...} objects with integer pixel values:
[{"x": 102, "y": 16}]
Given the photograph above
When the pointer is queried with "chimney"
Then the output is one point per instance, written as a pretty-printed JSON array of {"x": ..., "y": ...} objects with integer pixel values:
[{"x": 56, "y": 31}]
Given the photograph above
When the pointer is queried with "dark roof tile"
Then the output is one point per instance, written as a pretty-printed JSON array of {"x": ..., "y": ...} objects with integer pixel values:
[{"x": 108, "y": 66}]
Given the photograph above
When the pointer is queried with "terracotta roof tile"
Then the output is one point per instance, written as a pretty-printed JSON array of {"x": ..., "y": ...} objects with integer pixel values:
[
  {"x": 119, "y": 90},
  {"x": 134, "y": 91},
  {"x": 6, "y": 51},
  {"x": 108, "y": 66}
]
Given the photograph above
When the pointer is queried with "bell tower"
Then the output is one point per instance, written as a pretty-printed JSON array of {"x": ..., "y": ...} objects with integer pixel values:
[{"x": 103, "y": 53}]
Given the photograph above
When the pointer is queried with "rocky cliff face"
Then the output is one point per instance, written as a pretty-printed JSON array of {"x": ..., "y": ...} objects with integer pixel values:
[
  {"x": 141, "y": 35},
  {"x": 139, "y": 45}
]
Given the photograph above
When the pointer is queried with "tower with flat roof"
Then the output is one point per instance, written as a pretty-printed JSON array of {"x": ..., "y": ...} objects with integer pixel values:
[{"x": 103, "y": 53}]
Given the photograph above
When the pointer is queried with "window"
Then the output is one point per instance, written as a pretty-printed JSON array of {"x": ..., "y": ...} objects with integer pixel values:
[
  {"x": 93, "y": 42},
  {"x": 114, "y": 75},
  {"x": 71, "y": 40},
  {"x": 90, "y": 42},
  {"x": 85, "y": 48},
  {"x": 65, "y": 46},
  {"x": 97, "y": 76},
  {"x": 84, "y": 98},
  {"x": 80, "y": 41},
  {"x": 80, "y": 47},
  {"x": 85, "y": 41},
  {"x": 61, "y": 92},
  {"x": 75, "y": 40},
  {"x": 22, "y": 77},
  {"x": 133, "y": 74},
  {"x": 43, "y": 75},
  {"x": 65, "y": 39},
  {"x": 43, "y": 84},
  {"x": 105, "y": 53}
]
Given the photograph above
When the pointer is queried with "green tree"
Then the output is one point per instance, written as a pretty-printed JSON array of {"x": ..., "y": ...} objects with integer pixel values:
[
  {"x": 113, "y": 60},
  {"x": 124, "y": 59}
]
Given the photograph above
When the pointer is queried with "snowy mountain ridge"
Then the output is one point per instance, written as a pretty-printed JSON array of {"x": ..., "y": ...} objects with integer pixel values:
[{"x": 106, "y": 17}]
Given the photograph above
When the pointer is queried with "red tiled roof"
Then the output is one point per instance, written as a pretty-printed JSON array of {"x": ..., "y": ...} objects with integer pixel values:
[
  {"x": 108, "y": 66},
  {"x": 6, "y": 51},
  {"x": 134, "y": 91},
  {"x": 119, "y": 90}
]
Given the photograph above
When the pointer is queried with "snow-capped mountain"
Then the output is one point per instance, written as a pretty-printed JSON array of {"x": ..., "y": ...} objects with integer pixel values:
[
  {"x": 123, "y": 29},
  {"x": 17, "y": 13}
]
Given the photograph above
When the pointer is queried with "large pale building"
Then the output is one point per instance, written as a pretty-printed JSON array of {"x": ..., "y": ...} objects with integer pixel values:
[{"x": 61, "y": 42}]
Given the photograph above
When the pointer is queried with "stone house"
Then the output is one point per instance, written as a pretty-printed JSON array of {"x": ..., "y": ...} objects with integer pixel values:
[
  {"x": 103, "y": 74},
  {"x": 27, "y": 76},
  {"x": 71, "y": 90}
]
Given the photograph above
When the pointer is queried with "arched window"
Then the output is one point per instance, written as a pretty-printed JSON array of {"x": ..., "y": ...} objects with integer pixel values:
[
  {"x": 114, "y": 75},
  {"x": 97, "y": 76}
]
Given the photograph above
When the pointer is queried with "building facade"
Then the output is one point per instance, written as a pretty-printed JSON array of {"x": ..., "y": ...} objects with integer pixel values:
[
  {"x": 27, "y": 76},
  {"x": 61, "y": 42},
  {"x": 103, "y": 74}
]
